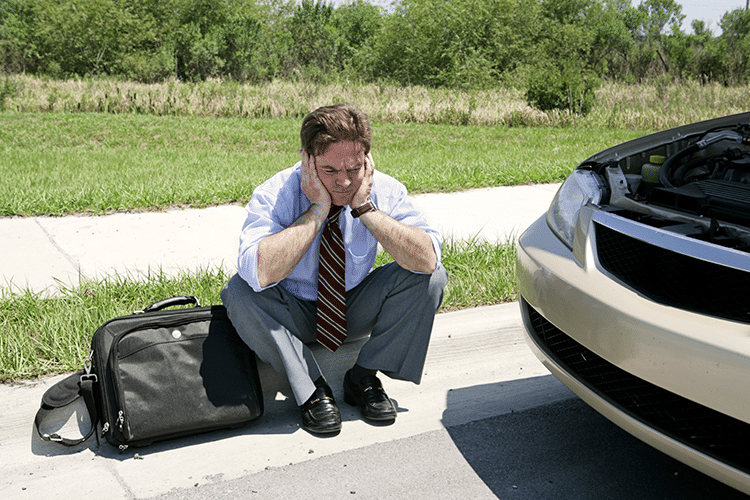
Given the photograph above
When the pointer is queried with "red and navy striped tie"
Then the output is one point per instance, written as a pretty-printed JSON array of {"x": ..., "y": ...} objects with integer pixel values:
[{"x": 331, "y": 330}]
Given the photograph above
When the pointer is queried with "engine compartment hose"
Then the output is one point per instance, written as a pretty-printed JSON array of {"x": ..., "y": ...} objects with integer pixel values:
[{"x": 664, "y": 175}]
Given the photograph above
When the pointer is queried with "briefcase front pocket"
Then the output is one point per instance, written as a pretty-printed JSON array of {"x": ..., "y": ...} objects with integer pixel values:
[{"x": 182, "y": 379}]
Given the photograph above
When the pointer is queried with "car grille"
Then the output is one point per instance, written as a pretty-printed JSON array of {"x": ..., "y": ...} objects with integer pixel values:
[
  {"x": 674, "y": 279},
  {"x": 706, "y": 430}
]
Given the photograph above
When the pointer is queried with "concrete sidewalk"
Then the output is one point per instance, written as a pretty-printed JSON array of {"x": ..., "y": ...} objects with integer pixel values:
[{"x": 44, "y": 253}]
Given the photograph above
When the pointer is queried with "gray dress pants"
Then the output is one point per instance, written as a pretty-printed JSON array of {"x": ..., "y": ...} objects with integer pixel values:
[{"x": 395, "y": 307}]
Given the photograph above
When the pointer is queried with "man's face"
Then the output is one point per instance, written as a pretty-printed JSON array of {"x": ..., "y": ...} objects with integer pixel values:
[{"x": 341, "y": 170}]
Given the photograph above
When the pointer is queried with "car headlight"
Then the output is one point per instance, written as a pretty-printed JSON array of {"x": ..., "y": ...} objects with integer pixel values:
[{"x": 580, "y": 188}]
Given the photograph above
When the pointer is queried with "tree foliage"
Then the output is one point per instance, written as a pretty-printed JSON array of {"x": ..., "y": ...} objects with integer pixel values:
[{"x": 556, "y": 50}]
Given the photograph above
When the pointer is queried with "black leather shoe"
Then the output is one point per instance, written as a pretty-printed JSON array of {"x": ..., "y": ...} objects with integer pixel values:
[
  {"x": 320, "y": 414},
  {"x": 369, "y": 397}
]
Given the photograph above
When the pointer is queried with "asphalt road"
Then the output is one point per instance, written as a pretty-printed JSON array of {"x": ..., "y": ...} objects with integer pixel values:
[{"x": 563, "y": 450}]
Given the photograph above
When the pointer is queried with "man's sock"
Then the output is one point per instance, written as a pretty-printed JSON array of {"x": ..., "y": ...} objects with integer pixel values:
[{"x": 357, "y": 373}]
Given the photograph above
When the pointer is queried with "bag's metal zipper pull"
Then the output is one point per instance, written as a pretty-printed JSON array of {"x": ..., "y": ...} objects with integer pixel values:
[
  {"x": 105, "y": 428},
  {"x": 120, "y": 419}
]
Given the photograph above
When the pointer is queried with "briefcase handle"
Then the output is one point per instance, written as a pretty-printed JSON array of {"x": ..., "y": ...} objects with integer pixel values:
[{"x": 170, "y": 302}]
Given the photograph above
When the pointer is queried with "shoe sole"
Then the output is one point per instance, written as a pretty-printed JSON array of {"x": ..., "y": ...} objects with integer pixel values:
[{"x": 327, "y": 430}]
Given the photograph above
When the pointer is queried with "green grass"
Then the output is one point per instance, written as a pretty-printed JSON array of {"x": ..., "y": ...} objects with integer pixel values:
[
  {"x": 447, "y": 158},
  {"x": 44, "y": 335},
  {"x": 54, "y": 164},
  {"x": 57, "y": 164},
  {"x": 481, "y": 273},
  {"x": 87, "y": 162}
]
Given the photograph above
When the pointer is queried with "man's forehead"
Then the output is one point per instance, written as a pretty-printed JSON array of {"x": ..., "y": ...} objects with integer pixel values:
[{"x": 341, "y": 157}]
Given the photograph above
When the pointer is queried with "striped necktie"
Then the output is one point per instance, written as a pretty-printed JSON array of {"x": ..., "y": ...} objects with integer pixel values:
[{"x": 331, "y": 324}]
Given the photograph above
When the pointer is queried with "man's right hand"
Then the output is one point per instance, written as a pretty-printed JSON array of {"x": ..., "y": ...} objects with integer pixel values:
[
  {"x": 279, "y": 253},
  {"x": 312, "y": 186}
]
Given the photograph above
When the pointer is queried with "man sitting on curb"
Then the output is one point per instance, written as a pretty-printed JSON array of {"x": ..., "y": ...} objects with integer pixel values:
[{"x": 329, "y": 212}]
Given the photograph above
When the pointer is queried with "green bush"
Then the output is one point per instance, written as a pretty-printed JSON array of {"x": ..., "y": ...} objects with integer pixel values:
[
  {"x": 8, "y": 89},
  {"x": 569, "y": 88}
]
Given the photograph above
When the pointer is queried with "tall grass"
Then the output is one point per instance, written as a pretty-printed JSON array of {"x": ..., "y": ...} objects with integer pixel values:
[
  {"x": 662, "y": 105},
  {"x": 648, "y": 106}
]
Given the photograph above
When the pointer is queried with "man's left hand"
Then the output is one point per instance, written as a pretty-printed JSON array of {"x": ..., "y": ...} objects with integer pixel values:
[{"x": 363, "y": 193}]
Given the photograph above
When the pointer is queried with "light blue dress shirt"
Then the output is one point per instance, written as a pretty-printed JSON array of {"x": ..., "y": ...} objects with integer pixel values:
[{"x": 279, "y": 201}]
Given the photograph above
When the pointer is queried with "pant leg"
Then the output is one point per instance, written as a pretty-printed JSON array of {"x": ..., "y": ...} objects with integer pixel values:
[
  {"x": 276, "y": 325},
  {"x": 397, "y": 309}
]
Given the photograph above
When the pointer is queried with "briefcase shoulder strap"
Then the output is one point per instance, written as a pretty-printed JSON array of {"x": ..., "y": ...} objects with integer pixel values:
[{"x": 78, "y": 385}]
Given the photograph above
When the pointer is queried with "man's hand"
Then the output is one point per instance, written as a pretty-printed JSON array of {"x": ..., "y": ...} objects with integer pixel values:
[
  {"x": 363, "y": 193},
  {"x": 312, "y": 186},
  {"x": 279, "y": 253}
]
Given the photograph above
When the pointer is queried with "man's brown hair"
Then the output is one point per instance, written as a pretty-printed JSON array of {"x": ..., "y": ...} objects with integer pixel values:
[{"x": 337, "y": 123}]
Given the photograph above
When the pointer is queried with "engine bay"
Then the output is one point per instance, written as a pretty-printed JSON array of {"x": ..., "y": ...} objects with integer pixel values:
[{"x": 702, "y": 189}]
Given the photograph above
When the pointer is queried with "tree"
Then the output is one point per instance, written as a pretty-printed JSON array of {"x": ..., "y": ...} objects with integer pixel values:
[
  {"x": 735, "y": 44},
  {"x": 469, "y": 43},
  {"x": 76, "y": 37},
  {"x": 16, "y": 50},
  {"x": 316, "y": 43},
  {"x": 561, "y": 75},
  {"x": 359, "y": 24},
  {"x": 660, "y": 15},
  {"x": 612, "y": 41},
  {"x": 148, "y": 47}
]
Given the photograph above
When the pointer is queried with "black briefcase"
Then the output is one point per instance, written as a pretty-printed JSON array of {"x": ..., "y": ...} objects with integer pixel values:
[{"x": 159, "y": 374}]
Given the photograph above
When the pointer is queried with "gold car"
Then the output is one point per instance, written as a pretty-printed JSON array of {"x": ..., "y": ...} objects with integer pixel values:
[{"x": 635, "y": 291}]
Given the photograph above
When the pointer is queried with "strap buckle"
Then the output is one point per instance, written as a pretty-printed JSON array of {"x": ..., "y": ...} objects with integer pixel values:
[
  {"x": 53, "y": 437},
  {"x": 87, "y": 364}
]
